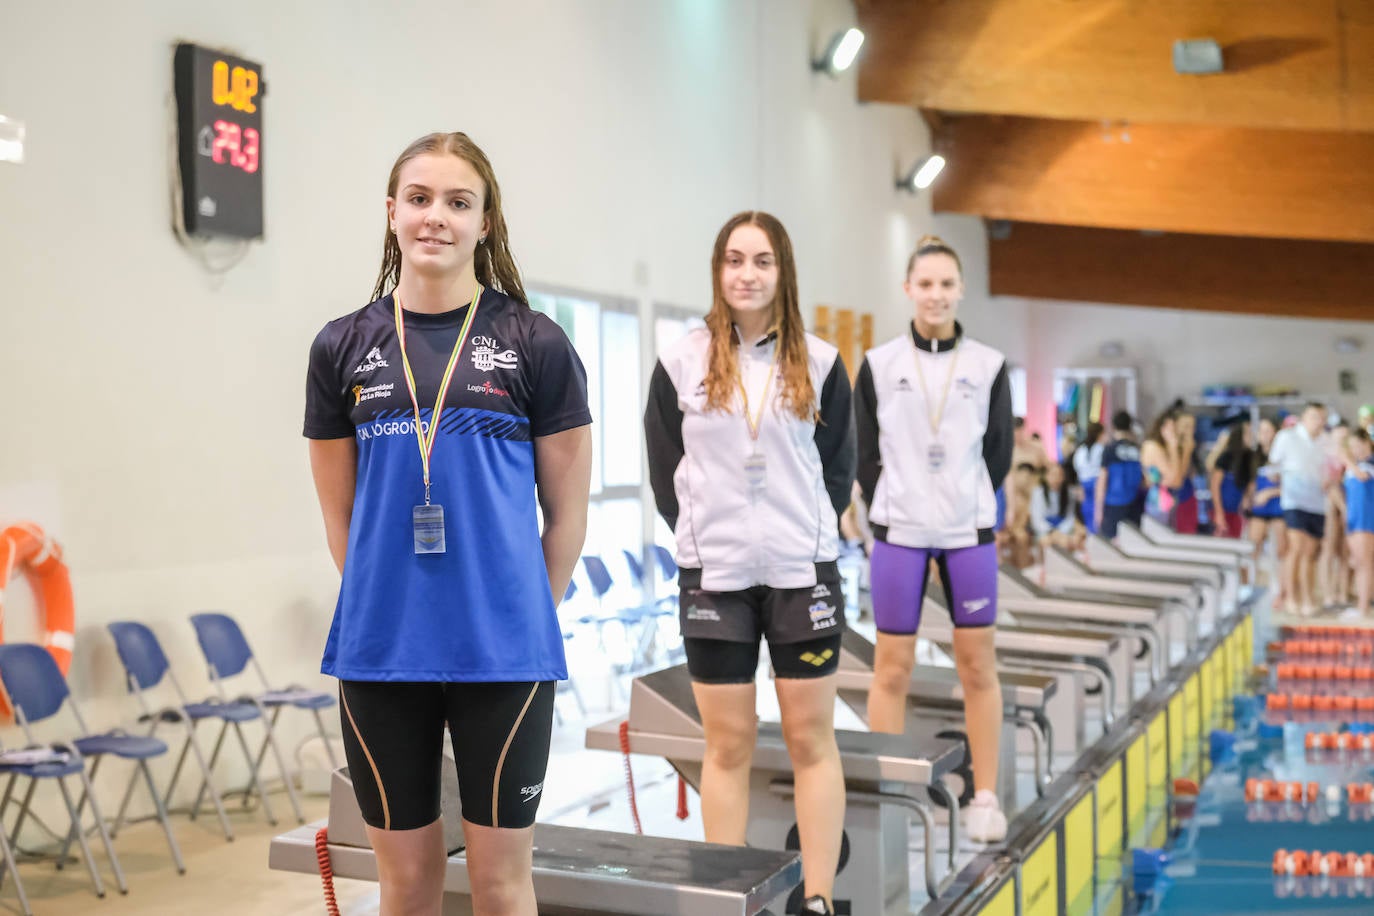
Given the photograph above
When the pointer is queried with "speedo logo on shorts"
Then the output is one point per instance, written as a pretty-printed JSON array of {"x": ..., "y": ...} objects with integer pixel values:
[
  {"x": 822, "y": 615},
  {"x": 530, "y": 793},
  {"x": 696, "y": 612},
  {"x": 976, "y": 605}
]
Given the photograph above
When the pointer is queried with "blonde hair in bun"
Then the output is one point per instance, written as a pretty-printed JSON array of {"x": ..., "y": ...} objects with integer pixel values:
[{"x": 933, "y": 244}]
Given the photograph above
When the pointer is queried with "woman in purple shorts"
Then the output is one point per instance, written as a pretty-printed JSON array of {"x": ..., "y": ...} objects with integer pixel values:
[{"x": 933, "y": 415}]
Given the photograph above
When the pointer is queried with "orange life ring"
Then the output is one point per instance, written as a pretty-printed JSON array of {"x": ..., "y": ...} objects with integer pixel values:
[{"x": 25, "y": 547}]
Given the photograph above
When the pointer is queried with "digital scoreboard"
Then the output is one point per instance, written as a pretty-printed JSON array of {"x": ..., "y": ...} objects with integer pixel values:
[{"x": 219, "y": 142}]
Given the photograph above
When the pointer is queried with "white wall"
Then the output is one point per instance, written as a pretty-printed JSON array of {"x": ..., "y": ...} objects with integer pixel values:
[{"x": 153, "y": 412}]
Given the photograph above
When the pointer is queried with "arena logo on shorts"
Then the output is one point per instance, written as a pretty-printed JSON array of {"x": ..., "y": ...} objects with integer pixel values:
[
  {"x": 811, "y": 658},
  {"x": 383, "y": 428},
  {"x": 822, "y": 615},
  {"x": 372, "y": 361},
  {"x": 820, "y": 591},
  {"x": 696, "y": 612},
  {"x": 361, "y": 394},
  {"x": 976, "y": 605},
  {"x": 485, "y": 355},
  {"x": 530, "y": 793}
]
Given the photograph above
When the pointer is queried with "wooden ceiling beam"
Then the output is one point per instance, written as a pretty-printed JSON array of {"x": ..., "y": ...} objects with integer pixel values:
[
  {"x": 1211, "y": 181},
  {"x": 1294, "y": 64},
  {"x": 1207, "y": 273}
]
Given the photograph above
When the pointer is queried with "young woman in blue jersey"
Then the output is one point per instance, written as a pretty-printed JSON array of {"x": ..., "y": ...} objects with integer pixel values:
[
  {"x": 1229, "y": 480},
  {"x": 1266, "y": 514},
  {"x": 1121, "y": 481},
  {"x": 1359, "y": 504},
  {"x": 1087, "y": 465},
  {"x": 437, "y": 414},
  {"x": 933, "y": 412},
  {"x": 751, "y": 459}
]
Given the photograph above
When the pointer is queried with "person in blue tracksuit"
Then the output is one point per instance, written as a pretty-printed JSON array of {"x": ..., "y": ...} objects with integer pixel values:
[{"x": 1121, "y": 482}]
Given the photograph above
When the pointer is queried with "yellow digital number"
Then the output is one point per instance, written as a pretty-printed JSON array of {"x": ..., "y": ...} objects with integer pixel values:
[
  {"x": 236, "y": 88},
  {"x": 219, "y": 84}
]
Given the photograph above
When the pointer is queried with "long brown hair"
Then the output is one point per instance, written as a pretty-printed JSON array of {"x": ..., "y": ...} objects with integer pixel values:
[
  {"x": 722, "y": 374},
  {"x": 1156, "y": 431},
  {"x": 492, "y": 263}
]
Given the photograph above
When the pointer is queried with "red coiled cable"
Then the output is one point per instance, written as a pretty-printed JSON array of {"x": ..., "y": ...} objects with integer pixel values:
[
  {"x": 629, "y": 774},
  {"x": 331, "y": 904}
]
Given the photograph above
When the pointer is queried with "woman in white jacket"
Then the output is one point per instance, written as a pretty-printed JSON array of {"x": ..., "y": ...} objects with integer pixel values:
[
  {"x": 751, "y": 458},
  {"x": 933, "y": 414}
]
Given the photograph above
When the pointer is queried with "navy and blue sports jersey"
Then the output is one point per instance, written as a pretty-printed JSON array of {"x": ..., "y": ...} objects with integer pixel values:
[
  {"x": 1359, "y": 500},
  {"x": 482, "y": 611},
  {"x": 1121, "y": 472},
  {"x": 1268, "y": 507}
]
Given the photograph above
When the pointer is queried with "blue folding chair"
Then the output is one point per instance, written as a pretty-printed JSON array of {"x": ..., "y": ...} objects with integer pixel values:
[
  {"x": 227, "y": 653},
  {"x": 666, "y": 564},
  {"x": 145, "y": 666},
  {"x": 37, "y": 690}
]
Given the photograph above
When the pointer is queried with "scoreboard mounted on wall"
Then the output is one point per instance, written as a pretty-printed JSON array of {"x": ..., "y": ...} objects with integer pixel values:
[{"x": 219, "y": 142}]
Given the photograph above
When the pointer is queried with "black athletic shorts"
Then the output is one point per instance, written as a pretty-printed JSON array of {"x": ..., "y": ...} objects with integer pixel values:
[
  {"x": 721, "y": 630},
  {"x": 1113, "y": 516},
  {"x": 393, "y": 735},
  {"x": 1312, "y": 524}
]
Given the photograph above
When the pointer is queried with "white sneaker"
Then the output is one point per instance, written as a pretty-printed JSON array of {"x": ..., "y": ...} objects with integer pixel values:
[
  {"x": 1350, "y": 613},
  {"x": 984, "y": 821}
]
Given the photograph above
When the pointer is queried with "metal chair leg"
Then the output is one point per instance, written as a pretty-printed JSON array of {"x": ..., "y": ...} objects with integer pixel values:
[
  {"x": 162, "y": 816},
  {"x": 214, "y": 758},
  {"x": 80, "y": 807},
  {"x": 328, "y": 747},
  {"x": 255, "y": 778},
  {"x": 209, "y": 781},
  {"x": 81, "y": 838},
  {"x": 176, "y": 771},
  {"x": 24, "y": 811},
  {"x": 7, "y": 862},
  {"x": 104, "y": 834},
  {"x": 285, "y": 774}
]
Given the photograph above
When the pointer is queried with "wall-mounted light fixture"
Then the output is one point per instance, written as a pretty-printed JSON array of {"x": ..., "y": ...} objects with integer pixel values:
[
  {"x": 1347, "y": 345},
  {"x": 920, "y": 175},
  {"x": 840, "y": 53}
]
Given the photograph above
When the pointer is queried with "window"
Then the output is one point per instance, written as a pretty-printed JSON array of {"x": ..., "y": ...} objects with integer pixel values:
[{"x": 605, "y": 332}]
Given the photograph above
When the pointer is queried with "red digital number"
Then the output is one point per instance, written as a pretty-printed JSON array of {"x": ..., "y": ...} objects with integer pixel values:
[
  {"x": 250, "y": 150},
  {"x": 238, "y": 146}
]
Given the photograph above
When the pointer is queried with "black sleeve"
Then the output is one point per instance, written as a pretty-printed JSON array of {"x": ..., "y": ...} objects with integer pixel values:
[
  {"x": 558, "y": 399},
  {"x": 326, "y": 406},
  {"x": 663, "y": 440},
  {"x": 835, "y": 436},
  {"x": 870, "y": 461},
  {"x": 998, "y": 440}
]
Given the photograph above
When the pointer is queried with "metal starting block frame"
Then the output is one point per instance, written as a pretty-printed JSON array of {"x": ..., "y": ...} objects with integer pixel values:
[{"x": 887, "y": 778}]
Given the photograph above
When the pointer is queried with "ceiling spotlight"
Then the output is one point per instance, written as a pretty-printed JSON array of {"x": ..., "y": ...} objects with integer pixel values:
[
  {"x": 840, "y": 53},
  {"x": 919, "y": 177}
]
